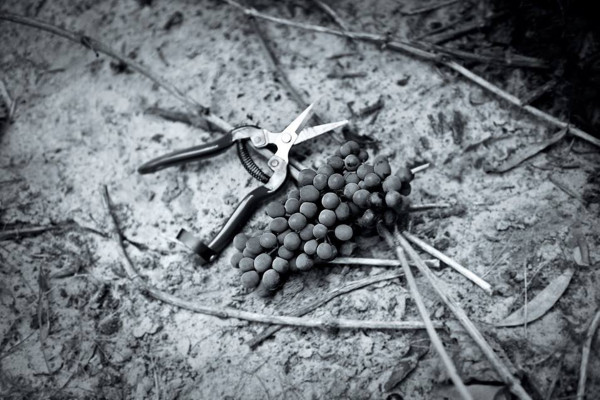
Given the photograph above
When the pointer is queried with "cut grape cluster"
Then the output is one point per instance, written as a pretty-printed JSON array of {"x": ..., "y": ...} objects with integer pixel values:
[{"x": 318, "y": 221}]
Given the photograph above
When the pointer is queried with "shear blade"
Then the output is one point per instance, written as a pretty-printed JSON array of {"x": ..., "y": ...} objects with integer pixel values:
[{"x": 314, "y": 131}]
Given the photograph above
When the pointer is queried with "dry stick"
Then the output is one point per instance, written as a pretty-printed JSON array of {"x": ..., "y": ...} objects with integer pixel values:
[
  {"x": 332, "y": 14},
  {"x": 347, "y": 288},
  {"x": 433, "y": 336},
  {"x": 585, "y": 355},
  {"x": 427, "y": 206},
  {"x": 447, "y": 260},
  {"x": 375, "y": 262},
  {"x": 227, "y": 312},
  {"x": 461, "y": 316},
  {"x": 428, "y": 8},
  {"x": 410, "y": 49}
]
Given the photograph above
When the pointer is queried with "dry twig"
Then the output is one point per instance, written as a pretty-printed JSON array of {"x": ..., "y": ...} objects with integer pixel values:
[
  {"x": 433, "y": 336},
  {"x": 585, "y": 355},
  {"x": 347, "y": 288},
  {"x": 461, "y": 316},
  {"x": 411, "y": 49},
  {"x": 428, "y": 8},
  {"x": 375, "y": 262},
  {"x": 227, "y": 312},
  {"x": 447, "y": 260}
]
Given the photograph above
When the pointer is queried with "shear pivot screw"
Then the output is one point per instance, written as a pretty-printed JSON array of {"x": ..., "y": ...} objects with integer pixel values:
[
  {"x": 274, "y": 163},
  {"x": 286, "y": 138}
]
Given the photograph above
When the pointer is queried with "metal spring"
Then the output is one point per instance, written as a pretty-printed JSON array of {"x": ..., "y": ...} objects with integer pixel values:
[{"x": 249, "y": 163}]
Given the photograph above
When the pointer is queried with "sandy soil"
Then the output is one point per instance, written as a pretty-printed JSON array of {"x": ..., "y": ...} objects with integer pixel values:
[{"x": 71, "y": 324}]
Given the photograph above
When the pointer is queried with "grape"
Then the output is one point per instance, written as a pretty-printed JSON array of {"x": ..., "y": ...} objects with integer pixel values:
[
  {"x": 292, "y": 206},
  {"x": 235, "y": 259},
  {"x": 325, "y": 169},
  {"x": 363, "y": 170},
  {"x": 350, "y": 189},
  {"x": 352, "y": 162},
  {"x": 347, "y": 248},
  {"x": 280, "y": 265},
  {"x": 392, "y": 182},
  {"x": 253, "y": 244},
  {"x": 354, "y": 209},
  {"x": 320, "y": 231},
  {"x": 327, "y": 218},
  {"x": 325, "y": 251},
  {"x": 376, "y": 200},
  {"x": 372, "y": 180},
  {"x": 294, "y": 194},
  {"x": 275, "y": 209},
  {"x": 297, "y": 221},
  {"x": 336, "y": 163},
  {"x": 330, "y": 200},
  {"x": 278, "y": 225},
  {"x": 250, "y": 279},
  {"x": 405, "y": 189},
  {"x": 336, "y": 181},
  {"x": 293, "y": 264},
  {"x": 281, "y": 236},
  {"x": 310, "y": 247},
  {"x": 304, "y": 262},
  {"x": 342, "y": 212},
  {"x": 382, "y": 168},
  {"x": 268, "y": 240},
  {"x": 246, "y": 264},
  {"x": 393, "y": 199},
  {"x": 405, "y": 174},
  {"x": 361, "y": 198},
  {"x": 345, "y": 149},
  {"x": 343, "y": 232},
  {"x": 309, "y": 193},
  {"x": 351, "y": 177},
  {"x": 285, "y": 253},
  {"x": 307, "y": 232},
  {"x": 306, "y": 177},
  {"x": 239, "y": 241},
  {"x": 292, "y": 241},
  {"x": 389, "y": 217},
  {"x": 262, "y": 262},
  {"x": 363, "y": 155},
  {"x": 308, "y": 209},
  {"x": 354, "y": 147},
  {"x": 320, "y": 181},
  {"x": 367, "y": 219},
  {"x": 249, "y": 253},
  {"x": 271, "y": 279}
]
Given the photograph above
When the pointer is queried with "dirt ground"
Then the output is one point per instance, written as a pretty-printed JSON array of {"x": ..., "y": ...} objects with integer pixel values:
[{"x": 73, "y": 326}]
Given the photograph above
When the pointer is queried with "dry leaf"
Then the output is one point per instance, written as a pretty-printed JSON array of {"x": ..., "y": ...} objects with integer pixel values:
[
  {"x": 541, "y": 303},
  {"x": 581, "y": 252}
]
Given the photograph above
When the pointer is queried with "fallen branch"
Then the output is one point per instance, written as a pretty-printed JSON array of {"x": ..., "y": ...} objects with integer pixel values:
[
  {"x": 227, "y": 312},
  {"x": 433, "y": 336},
  {"x": 375, "y": 262},
  {"x": 503, "y": 372},
  {"x": 447, "y": 260},
  {"x": 326, "y": 298},
  {"x": 427, "y": 207},
  {"x": 585, "y": 355},
  {"x": 411, "y": 49}
]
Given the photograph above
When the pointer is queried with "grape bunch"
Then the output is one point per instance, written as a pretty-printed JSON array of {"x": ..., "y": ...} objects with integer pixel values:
[{"x": 344, "y": 197}]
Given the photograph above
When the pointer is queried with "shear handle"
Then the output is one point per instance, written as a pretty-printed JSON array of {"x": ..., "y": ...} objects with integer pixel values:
[
  {"x": 190, "y": 154},
  {"x": 234, "y": 224}
]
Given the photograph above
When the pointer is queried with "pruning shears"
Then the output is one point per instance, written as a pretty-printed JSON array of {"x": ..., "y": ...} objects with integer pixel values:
[{"x": 278, "y": 163}]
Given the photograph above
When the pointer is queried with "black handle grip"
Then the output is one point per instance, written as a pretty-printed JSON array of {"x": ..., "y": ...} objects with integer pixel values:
[
  {"x": 234, "y": 224},
  {"x": 187, "y": 155},
  {"x": 238, "y": 219}
]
